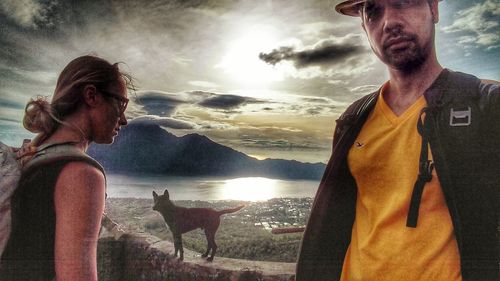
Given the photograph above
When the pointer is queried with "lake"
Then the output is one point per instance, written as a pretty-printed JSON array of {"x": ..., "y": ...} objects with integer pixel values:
[{"x": 209, "y": 188}]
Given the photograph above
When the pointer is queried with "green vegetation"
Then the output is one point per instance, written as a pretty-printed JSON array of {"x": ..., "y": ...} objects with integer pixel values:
[{"x": 241, "y": 235}]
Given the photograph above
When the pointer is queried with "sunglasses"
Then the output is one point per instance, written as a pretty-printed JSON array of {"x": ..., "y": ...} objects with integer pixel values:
[{"x": 123, "y": 101}]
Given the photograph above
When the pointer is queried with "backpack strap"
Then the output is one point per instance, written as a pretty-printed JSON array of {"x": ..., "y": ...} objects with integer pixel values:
[
  {"x": 354, "y": 114},
  {"x": 54, "y": 152},
  {"x": 451, "y": 89}
]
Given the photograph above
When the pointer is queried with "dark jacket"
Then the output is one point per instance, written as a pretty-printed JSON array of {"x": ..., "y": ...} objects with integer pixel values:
[{"x": 467, "y": 162}]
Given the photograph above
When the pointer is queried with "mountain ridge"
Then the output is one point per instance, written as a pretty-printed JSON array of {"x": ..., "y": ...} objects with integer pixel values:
[{"x": 147, "y": 148}]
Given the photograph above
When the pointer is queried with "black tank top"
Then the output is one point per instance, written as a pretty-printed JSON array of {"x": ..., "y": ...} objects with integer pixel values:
[{"x": 29, "y": 254}]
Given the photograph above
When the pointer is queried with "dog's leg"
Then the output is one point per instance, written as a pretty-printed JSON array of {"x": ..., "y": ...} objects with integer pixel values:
[
  {"x": 178, "y": 246},
  {"x": 181, "y": 249},
  {"x": 210, "y": 234},
  {"x": 175, "y": 247},
  {"x": 208, "y": 245},
  {"x": 206, "y": 253},
  {"x": 213, "y": 246}
]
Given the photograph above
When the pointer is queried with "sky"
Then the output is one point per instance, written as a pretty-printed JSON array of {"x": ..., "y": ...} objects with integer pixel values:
[{"x": 265, "y": 77}]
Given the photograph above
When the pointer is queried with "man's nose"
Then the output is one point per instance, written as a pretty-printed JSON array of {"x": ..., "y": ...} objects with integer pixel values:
[{"x": 392, "y": 20}]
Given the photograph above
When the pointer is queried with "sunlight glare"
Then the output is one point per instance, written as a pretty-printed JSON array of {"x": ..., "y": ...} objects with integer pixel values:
[
  {"x": 249, "y": 189},
  {"x": 242, "y": 63}
]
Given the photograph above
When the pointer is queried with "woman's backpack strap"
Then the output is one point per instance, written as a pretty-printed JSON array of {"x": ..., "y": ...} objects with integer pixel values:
[{"x": 59, "y": 152}]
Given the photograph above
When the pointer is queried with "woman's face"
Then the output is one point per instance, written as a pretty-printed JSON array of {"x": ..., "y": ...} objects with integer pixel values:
[{"x": 112, "y": 113}]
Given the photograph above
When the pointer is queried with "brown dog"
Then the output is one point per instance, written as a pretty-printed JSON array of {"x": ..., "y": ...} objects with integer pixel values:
[{"x": 181, "y": 220}]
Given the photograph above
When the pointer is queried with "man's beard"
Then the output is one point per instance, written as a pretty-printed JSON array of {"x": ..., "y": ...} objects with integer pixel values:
[{"x": 407, "y": 59}]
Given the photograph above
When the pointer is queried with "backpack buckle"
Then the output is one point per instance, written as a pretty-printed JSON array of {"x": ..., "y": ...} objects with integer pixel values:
[{"x": 460, "y": 117}]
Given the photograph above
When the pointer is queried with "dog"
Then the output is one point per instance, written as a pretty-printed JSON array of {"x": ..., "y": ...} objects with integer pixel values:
[{"x": 181, "y": 220}]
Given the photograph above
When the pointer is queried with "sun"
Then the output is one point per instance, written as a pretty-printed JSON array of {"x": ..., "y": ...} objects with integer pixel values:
[{"x": 241, "y": 61}]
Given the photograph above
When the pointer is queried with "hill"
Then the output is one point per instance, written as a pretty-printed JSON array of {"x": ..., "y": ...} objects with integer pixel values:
[{"x": 147, "y": 148}]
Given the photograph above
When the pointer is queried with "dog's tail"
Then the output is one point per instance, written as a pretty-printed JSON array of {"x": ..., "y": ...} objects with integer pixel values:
[{"x": 227, "y": 211}]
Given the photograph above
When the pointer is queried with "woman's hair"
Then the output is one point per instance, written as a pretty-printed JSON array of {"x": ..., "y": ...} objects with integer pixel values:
[{"x": 44, "y": 118}]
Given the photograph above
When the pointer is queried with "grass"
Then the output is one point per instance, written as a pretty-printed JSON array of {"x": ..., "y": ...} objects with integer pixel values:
[{"x": 237, "y": 237}]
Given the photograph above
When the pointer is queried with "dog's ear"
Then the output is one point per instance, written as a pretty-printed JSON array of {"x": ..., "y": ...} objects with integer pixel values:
[
  {"x": 155, "y": 195},
  {"x": 165, "y": 193}
]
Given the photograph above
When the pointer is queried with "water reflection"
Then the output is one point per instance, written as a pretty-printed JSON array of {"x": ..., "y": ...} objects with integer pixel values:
[
  {"x": 209, "y": 188},
  {"x": 249, "y": 189}
]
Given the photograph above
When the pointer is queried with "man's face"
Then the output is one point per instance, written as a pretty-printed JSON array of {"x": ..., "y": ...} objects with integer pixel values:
[{"x": 401, "y": 32}]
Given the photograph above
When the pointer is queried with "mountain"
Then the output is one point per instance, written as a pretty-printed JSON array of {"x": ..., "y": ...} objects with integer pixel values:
[{"x": 147, "y": 148}]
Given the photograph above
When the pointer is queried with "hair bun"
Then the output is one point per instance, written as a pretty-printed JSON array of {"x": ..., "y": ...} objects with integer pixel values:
[{"x": 37, "y": 117}]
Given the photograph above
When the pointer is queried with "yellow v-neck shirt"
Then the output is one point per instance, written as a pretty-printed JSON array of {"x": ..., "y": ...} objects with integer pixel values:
[{"x": 384, "y": 162}]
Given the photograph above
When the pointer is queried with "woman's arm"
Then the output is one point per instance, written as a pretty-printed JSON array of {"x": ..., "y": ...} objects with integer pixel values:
[{"x": 79, "y": 204}]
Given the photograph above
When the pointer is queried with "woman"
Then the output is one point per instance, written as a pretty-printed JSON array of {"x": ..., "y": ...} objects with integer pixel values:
[{"x": 57, "y": 209}]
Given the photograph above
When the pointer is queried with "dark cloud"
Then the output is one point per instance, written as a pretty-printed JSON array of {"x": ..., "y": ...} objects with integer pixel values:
[
  {"x": 8, "y": 119},
  {"x": 316, "y": 100},
  {"x": 280, "y": 144},
  {"x": 325, "y": 53},
  {"x": 5, "y": 103},
  {"x": 164, "y": 104},
  {"x": 159, "y": 103},
  {"x": 314, "y": 110},
  {"x": 227, "y": 101},
  {"x": 201, "y": 94}
]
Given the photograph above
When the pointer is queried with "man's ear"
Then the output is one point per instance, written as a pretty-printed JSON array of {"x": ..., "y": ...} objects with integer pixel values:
[
  {"x": 434, "y": 10},
  {"x": 90, "y": 96}
]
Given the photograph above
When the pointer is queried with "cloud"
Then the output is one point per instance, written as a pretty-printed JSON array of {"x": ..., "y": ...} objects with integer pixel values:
[
  {"x": 164, "y": 104},
  {"x": 282, "y": 144},
  {"x": 363, "y": 90},
  {"x": 337, "y": 82},
  {"x": 325, "y": 52},
  {"x": 28, "y": 13},
  {"x": 11, "y": 134},
  {"x": 159, "y": 103},
  {"x": 203, "y": 84},
  {"x": 6, "y": 103},
  {"x": 296, "y": 106},
  {"x": 200, "y": 95},
  {"x": 227, "y": 101},
  {"x": 479, "y": 23},
  {"x": 316, "y": 28},
  {"x": 165, "y": 122},
  {"x": 344, "y": 58}
]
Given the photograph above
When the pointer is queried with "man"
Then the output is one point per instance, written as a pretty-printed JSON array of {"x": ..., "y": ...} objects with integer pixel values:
[{"x": 411, "y": 190}]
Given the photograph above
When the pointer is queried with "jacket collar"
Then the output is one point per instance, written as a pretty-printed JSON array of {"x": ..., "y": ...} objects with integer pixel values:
[{"x": 434, "y": 94}]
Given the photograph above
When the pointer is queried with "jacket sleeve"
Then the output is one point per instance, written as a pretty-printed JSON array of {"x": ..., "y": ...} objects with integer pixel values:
[
  {"x": 490, "y": 95},
  {"x": 490, "y": 105}
]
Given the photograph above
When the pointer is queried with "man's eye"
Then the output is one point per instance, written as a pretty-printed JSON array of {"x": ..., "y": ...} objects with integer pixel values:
[{"x": 372, "y": 11}]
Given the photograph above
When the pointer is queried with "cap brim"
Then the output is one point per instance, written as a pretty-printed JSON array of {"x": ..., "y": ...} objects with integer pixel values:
[{"x": 349, "y": 8}]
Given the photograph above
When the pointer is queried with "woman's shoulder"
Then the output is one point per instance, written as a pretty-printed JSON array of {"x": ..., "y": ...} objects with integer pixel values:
[{"x": 78, "y": 174}]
